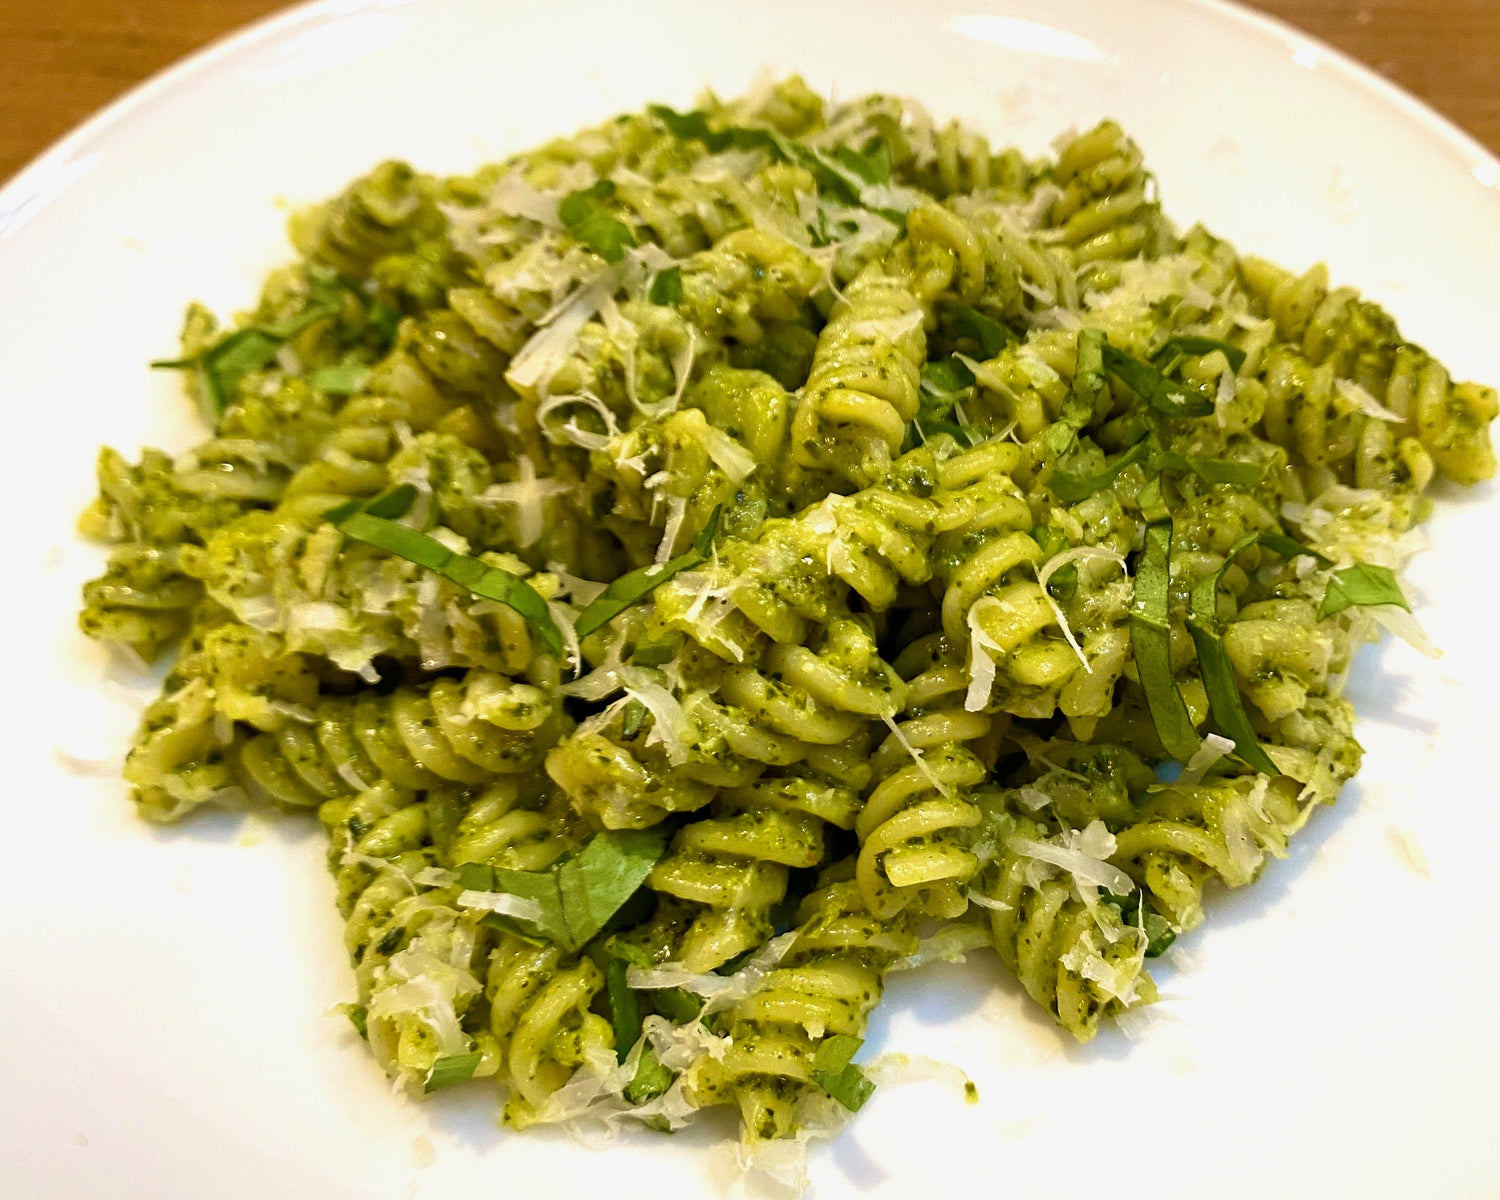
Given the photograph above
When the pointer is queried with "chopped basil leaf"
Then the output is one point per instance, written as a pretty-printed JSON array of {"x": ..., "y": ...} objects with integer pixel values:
[
  {"x": 965, "y": 435},
  {"x": 650, "y": 1081},
  {"x": 510, "y": 925},
  {"x": 1217, "y": 670},
  {"x": 1072, "y": 487},
  {"x": 492, "y": 583},
  {"x": 237, "y": 356},
  {"x": 628, "y": 952},
  {"x": 1078, "y": 408},
  {"x": 359, "y": 1017},
  {"x": 475, "y": 877},
  {"x": 1361, "y": 585},
  {"x": 1089, "y": 375},
  {"x": 631, "y": 718},
  {"x": 1159, "y": 934},
  {"x": 991, "y": 336},
  {"x": 666, "y": 286},
  {"x": 1063, "y": 585},
  {"x": 393, "y": 505},
  {"x": 1290, "y": 548},
  {"x": 1161, "y": 393},
  {"x": 844, "y": 174},
  {"x": 656, "y": 654},
  {"x": 628, "y": 589},
  {"x": 836, "y": 1052},
  {"x": 324, "y": 300},
  {"x": 624, "y": 1007},
  {"x": 452, "y": 1068},
  {"x": 1134, "y": 911},
  {"x": 837, "y": 1075},
  {"x": 344, "y": 379},
  {"x": 824, "y": 234},
  {"x": 693, "y": 126},
  {"x": 221, "y": 367},
  {"x": 1212, "y": 470},
  {"x": 585, "y": 216},
  {"x": 1150, "y": 640},
  {"x": 1185, "y": 343},
  {"x": 580, "y": 893},
  {"x": 677, "y": 1005},
  {"x": 832, "y": 176},
  {"x": 873, "y": 165},
  {"x": 383, "y": 319},
  {"x": 945, "y": 383}
]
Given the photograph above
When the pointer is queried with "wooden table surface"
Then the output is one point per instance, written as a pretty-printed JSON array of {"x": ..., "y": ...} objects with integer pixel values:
[{"x": 60, "y": 60}]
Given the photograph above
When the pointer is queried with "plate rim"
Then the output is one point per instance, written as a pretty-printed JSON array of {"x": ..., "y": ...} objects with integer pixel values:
[{"x": 19, "y": 194}]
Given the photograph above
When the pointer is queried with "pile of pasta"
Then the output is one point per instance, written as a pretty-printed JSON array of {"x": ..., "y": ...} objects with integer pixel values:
[{"x": 705, "y": 564}]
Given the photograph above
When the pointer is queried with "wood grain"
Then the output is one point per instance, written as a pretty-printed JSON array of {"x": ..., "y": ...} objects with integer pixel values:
[{"x": 61, "y": 60}]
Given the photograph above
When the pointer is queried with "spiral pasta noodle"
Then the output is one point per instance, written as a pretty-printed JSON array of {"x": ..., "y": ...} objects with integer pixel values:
[{"x": 825, "y": 985}]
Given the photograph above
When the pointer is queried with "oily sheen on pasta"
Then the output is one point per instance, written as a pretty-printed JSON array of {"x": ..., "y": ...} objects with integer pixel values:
[{"x": 690, "y": 567}]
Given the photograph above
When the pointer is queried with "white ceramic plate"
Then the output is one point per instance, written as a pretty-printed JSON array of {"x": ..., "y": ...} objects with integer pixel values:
[{"x": 163, "y": 993}]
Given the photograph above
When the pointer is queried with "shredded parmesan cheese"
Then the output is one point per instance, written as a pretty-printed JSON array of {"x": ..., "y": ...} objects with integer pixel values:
[
  {"x": 670, "y": 725},
  {"x": 1211, "y": 751},
  {"x": 529, "y": 494},
  {"x": 1081, "y": 853},
  {"x": 506, "y": 904},
  {"x": 548, "y": 348},
  {"x": 981, "y": 665},
  {"x": 676, "y": 512},
  {"x": 1364, "y": 402},
  {"x": 732, "y": 458},
  {"x": 1055, "y": 564}
]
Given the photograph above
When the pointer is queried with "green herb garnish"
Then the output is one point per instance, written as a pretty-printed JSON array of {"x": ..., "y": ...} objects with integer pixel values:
[
  {"x": 1151, "y": 642},
  {"x": 1219, "y": 680},
  {"x": 452, "y": 1068},
  {"x": 991, "y": 336},
  {"x": 921, "y": 429},
  {"x": 1078, "y": 408},
  {"x": 1290, "y": 548},
  {"x": 1134, "y": 911},
  {"x": 651, "y": 1079},
  {"x": 1211, "y": 470},
  {"x": 1163, "y": 394},
  {"x": 945, "y": 383},
  {"x": 475, "y": 877},
  {"x": 693, "y": 126},
  {"x": 580, "y": 893},
  {"x": 677, "y": 1005},
  {"x": 631, "y": 718},
  {"x": 375, "y": 524},
  {"x": 666, "y": 286},
  {"x": 221, "y": 367},
  {"x": 383, "y": 319},
  {"x": 658, "y": 653},
  {"x": 641, "y": 582},
  {"x": 584, "y": 215},
  {"x": 873, "y": 164},
  {"x": 1185, "y": 343},
  {"x": 834, "y": 1071},
  {"x": 624, "y": 1007},
  {"x": 359, "y": 1017},
  {"x": 342, "y": 379},
  {"x": 1071, "y": 486},
  {"x": 1363, "y": 585}
]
